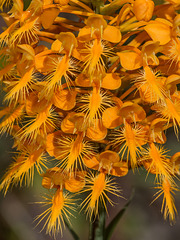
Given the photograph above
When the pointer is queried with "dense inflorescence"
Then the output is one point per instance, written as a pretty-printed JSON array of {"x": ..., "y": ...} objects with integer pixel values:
[{"x": 90, "y": 89}]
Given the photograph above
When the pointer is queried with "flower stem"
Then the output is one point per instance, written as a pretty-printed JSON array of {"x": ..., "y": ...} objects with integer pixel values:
[
  {"x": 97, "y": 4},
  {"x": 97, "y": 227}
]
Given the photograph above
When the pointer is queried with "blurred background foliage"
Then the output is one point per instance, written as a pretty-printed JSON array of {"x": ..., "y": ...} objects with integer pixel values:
[{"x": 142, "y": 221}]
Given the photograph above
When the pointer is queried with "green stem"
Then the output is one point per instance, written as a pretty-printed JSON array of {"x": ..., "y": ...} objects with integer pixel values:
[
  {"x": 112, "y": 225},
  {"x": 97, "y": 4},
  {"x": 73, "y": 233},
  {"x": 97, "y": 227}
]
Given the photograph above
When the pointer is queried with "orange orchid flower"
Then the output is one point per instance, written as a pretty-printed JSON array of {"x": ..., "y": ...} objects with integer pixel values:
[{"x": 106, "y": 163}]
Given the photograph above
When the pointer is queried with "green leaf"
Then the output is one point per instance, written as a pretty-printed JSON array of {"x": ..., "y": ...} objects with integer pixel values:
[
  {"x": 26, "y": 4},
  {"x": 73, "y": 233},
  {"x": 110, "y": 228}
]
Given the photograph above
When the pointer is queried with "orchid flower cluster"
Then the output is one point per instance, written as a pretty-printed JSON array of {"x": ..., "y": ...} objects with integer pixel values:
[{"x": 90, "y": 89}]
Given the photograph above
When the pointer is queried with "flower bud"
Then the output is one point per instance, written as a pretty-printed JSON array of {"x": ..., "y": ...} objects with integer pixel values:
[{"x": 143, "y": 9}]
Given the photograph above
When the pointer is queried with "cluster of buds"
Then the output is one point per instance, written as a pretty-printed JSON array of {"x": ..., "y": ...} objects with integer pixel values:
[{"x": 89, "y": 95}]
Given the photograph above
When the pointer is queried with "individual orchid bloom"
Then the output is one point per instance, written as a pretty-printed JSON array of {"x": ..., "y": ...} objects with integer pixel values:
[
  {"x": 59, "y": 178},
  {"x": 92, "y": 56},
  {"x": 97, "y": 131},
  {"x": 74, "y": 123},
  {"x": 22, "y": 169},
  {"x": 99, "y": 185},
  {"x": 96, "y": 31},
  {"x": 129, "y": 140},
  {"x": 151, "y": 86},
  {"x": 20, "y": 87},
  {"x": 94, "y": 103},
  {"x": 156, "y": 161},
  {"x": 62, "y": 66},
  {"x": 60, "y": 202},
  {"x": 169, "y": 110},
  {"x": 41, "y": 118},
  {"x": 130, "y": 58},
  {"x": 73, "y": 149},
  {"x": 10, "y": 116},
  {"x": 167, "y": 189},
  {"x": 18, "y": 81},
  {"x": 43, "y": 59},
  {"x": 69, "y": 150},
  {"x": 23, "y": 29}
]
